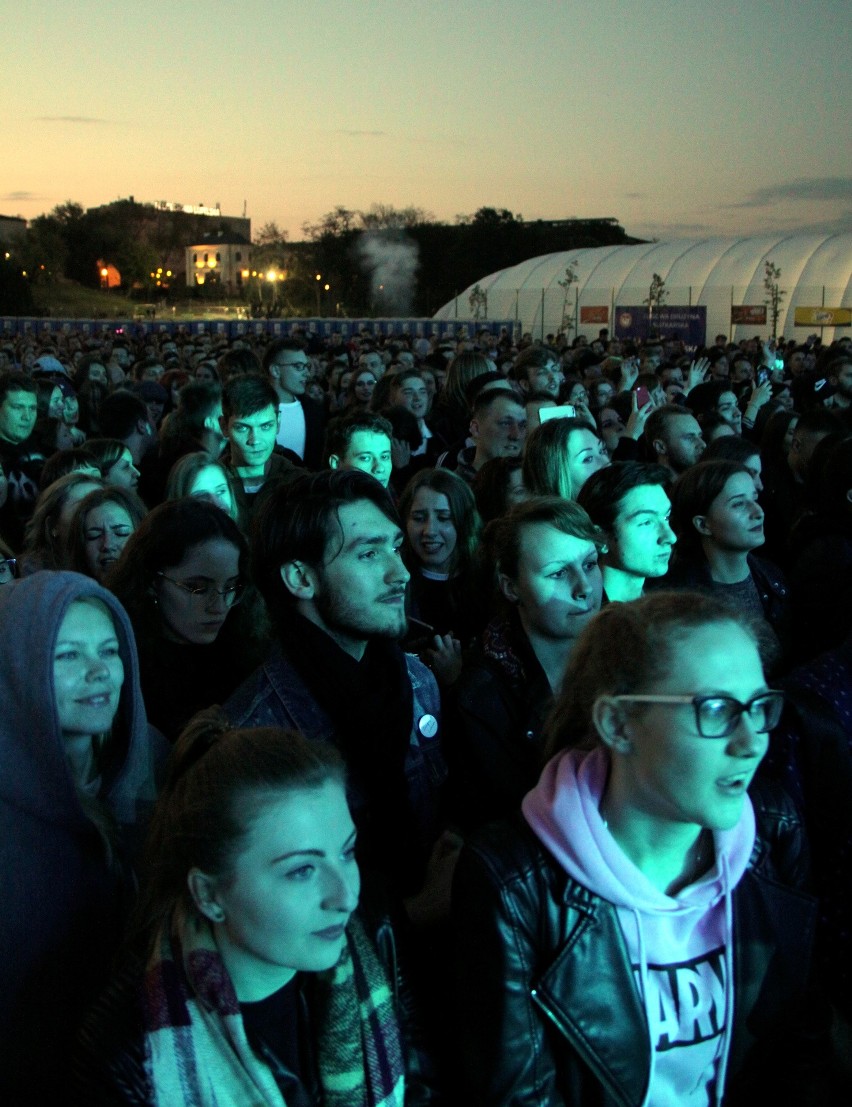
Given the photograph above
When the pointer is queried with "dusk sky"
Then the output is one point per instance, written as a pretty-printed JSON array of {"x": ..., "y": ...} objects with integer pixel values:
[{"x": 678, "y": 119}]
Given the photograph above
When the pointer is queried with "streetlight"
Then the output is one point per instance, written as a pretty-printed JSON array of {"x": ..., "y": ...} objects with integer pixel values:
[{"x": 319, "y": 278}]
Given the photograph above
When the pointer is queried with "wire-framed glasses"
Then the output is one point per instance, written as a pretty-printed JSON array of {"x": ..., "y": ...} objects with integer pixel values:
[{"x": 205, "y": 590}]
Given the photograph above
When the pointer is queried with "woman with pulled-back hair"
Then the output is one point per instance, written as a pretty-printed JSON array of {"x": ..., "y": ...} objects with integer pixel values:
[
  {"x": 638, "y": 934},
  {"x": 254, "y": 980},
  {"x": 719, "y": 524},
  {"x": 545, "y": 556}
]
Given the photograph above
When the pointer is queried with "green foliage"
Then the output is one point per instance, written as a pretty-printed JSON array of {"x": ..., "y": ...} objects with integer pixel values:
[
  {"x": 270, "y": 234},
  {"x": 567, "y": 283},
  {"x": 774, "y": 293},
  {"x": 139, "y": 239},
  {"x": 657, "y": 295}
]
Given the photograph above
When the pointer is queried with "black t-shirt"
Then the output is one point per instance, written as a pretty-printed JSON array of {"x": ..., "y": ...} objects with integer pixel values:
[
  {"x": 22, "y": 465},
  {"x": 277, "y": 1030}
]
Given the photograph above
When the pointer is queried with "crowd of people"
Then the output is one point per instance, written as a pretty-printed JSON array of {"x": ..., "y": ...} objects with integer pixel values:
[{"x": 406, "y": 721}]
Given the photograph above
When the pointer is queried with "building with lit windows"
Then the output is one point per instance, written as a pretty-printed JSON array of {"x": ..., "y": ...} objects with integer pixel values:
[{"x": 219, "y": 259}]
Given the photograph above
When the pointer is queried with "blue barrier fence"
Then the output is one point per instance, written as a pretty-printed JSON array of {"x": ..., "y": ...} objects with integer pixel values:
[{"x": 279, "y": 328}]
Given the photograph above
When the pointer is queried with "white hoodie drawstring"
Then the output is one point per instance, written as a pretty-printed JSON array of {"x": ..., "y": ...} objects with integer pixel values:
[
  {"x": 729, "y": 981},
  {"x": 643, "y": 981}
]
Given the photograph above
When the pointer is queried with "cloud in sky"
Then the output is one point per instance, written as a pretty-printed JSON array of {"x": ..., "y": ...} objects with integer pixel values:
[
  {"x": 803, "y": 189},
  {"x": 360, "y": 134},
  {"x": 22, "y": 196},
  {"x": 69, "y": 119}
]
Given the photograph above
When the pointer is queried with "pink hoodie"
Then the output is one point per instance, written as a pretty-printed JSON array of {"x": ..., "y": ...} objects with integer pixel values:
[{"x": 680, "y": 946}]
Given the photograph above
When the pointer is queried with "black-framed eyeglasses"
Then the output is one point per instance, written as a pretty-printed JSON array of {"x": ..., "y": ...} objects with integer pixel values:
[
  {"x": 206, "y": 590},
  {"x": 8, "y": 569},
  {"x": 718, "y": 716}
]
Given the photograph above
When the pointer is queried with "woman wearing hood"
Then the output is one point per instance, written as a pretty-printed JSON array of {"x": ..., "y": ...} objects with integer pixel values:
[
  {"x": 630, "y": 939},
  {"x": 76, "y": 789}
]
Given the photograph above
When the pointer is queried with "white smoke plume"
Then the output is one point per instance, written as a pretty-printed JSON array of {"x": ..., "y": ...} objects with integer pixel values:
[{"x": 391, "y": 260}]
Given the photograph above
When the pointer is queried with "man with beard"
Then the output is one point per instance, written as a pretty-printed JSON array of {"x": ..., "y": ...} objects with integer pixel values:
[
  {"x": 327, "y": 555},
  {"x": 673, "y": 438}
]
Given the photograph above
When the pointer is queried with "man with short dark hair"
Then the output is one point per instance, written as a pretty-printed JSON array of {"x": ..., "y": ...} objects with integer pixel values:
[
  {"x": 326, "y": 551},
  {"x": 408, "y": 390},
  {"x": 372, "y": 360},
  {"x": 629, "y": 502},
  {"x": 301, "y": 421},
  {"x": 124, "y": 416},
  {"x": 362, "y": 440},
  {"x": 149, "y": 369},
  {"x": 537, "y": 369},
  {"x": 742, "y": 370},
  {"x": 118, "y": 364},
  {"x": 249, "y": 421},
  {"x": 20, "y": 461},
  {"x": 498, "y": 427}
]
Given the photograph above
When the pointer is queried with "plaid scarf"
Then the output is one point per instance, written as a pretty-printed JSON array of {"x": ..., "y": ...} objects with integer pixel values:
[{"x": 196, "y": 1046}]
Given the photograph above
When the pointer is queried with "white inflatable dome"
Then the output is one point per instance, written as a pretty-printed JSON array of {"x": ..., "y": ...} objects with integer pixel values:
[{"x": 816, "y": 271}]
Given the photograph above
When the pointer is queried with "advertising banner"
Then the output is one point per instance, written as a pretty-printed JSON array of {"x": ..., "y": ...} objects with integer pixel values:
[
  {"x": 686, "y": 323},
  {"x": 823, "y": 317},
  {"x": 753, "y": 315},
  {"x": 591, "y": 314}
]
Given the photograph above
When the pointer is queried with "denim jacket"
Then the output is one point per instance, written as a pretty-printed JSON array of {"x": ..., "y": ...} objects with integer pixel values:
[{"x": 275, "y": 695}]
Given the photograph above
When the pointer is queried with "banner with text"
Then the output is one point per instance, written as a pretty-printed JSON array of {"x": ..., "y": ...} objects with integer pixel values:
[
  {"x": 686, "y": 323},
  {"x": 753, "y": 315}
]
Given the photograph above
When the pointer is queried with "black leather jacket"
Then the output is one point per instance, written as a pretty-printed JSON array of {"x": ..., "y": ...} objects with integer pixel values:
[{"x": 549, "y": 1010}]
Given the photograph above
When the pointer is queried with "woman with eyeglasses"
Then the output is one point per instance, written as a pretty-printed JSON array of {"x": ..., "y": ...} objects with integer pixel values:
[
  {"x": 637, "y": 934},
  {"x": 201, "y": 630}
]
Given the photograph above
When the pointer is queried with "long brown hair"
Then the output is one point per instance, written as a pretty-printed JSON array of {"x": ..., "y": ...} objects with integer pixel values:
[{"x": 217, "y": 779}]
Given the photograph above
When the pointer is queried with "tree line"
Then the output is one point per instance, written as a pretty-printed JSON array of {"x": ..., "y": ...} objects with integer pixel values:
[{"x": 383, "y": 261}]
